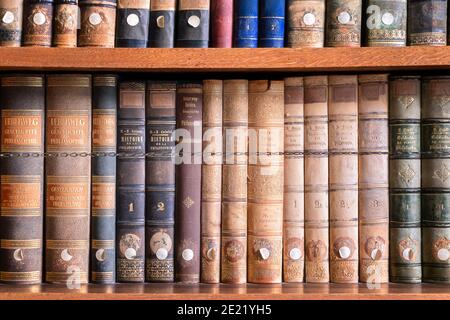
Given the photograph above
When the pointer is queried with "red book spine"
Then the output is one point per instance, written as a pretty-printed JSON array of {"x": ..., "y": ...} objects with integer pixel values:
[{"x": 221, "y": 23}]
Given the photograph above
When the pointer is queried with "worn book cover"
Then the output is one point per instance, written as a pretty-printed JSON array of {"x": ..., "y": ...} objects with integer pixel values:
[
  {"x": 37, "y": 23},
  {"x": 132, "y": 23},
  {"x": 11, "y": 13},
  {"x": 305, "y": 23},
  {"x": 97, "y": 23}
]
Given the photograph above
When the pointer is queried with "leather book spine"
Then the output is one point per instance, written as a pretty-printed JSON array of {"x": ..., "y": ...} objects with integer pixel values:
[
  {"x": 294, "y": 198},
  {"x": 435, "y": 179},
  {"x": 385, "y": 23},
  {"x": 245, "y": 24},
  {"x": 97, "y": 23},
  {"x": 68, "y": 178},
  {"x": 305, "y": 23},
  {"x": 343, "y": 23},
  {"x": 373, "y": 178},
  {"x": 189, "y": 106},
  {"x": 65, "y": 23},
  {"x": 265, "y": 180},
  {"x": 234, "y": 181},
  {"x": 37, "y": 23},
  {"x": 162, "y": 23},
  {"x": 404, "y": 180},
  {"x": 193, "y": 23},
  {"x": 221, "y": 23},
  {"x": 11, "y": 13},
  {"x": 211, "y": 181},
  {"x": 22, "y": 101},
  {"x": 103, "y": 202},
  {"x": 316, "y": 178},
  {"x": 271, "y": 23},
  {"x": 427, "y": 22},
  {"x": 343, "y": 181},
  {"x": 132, "y": 23},
  {"x": 160, "y": 181}
]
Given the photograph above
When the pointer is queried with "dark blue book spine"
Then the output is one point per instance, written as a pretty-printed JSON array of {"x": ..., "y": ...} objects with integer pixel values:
[
  {"x": 271, "y": 24},
  {"x": 246, "y": 24},
  {"x": 193, "y": 24},
  {"x": 162, "y": 24},
  {"x": 132, "y": 23}
]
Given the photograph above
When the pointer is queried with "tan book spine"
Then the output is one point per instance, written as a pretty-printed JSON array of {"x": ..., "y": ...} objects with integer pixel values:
[
  {"x": 294, "y": 200},
  {"x": 343, "y": 181},
  {"x": 373, "y": 178},
  {"x": 316, "y": 178}
]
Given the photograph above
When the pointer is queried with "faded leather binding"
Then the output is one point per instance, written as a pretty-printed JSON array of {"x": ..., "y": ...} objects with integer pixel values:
[
  {"x": 22, "y": 101},
  {"x": 385, "y": 23},
  {"x": 373, "y": 178},
  {"x": 305, "y": 23},
  {"x": 160, "y": 181},
  {"x": 103, "y": 202},
  {"x": 316, "y": 178},
  {"x": 234, "y": 182},
  {"x": 65, "y": 23},
  {"x": 68, "y": 178},
  {"x": 265, "y": 180},
  {"x": 98, "y": 23},
  {"x": 130, "y": 239},
  {"x": 271, "y": 23},
  {"x": 37, "y": 23},
  {"x": 221, "y": 23},
  {"x": 132, "y": 23},
  {"x": 435, "y": 179},
  {"x": 245, "y": 24},
  {"x": 162, "y": 23},
  {"x": 427, "y": 22},
  {"x": 294, "y": 199},
  {"x": 11, "y": 12},
  {"x": 404, "y": 180},
  {"x": 188, "y": 182},
  {"x": 343, "y": 23},
  {"x": 193, "y": 23},
  {"x": 343, "y": 181}
]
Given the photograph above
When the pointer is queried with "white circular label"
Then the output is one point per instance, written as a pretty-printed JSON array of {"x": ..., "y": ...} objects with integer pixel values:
[
  {"x": 407, "y": 254},
  {"x": 344, "y": 17},
  {"x": 443, "y": 254},
  {"x": 344, "y": 252},
  {"x": 18, "y": 254},
  {"x": 295, "y": 254},
  {"x": 133, "y": 19},
  {"x": 100, "y": 255},
  {"x": 130, "y": 253},
  {"x": 376, "y": 254},
  {"x": 265, "y": 253},
  {"x": 162, "y": 253},
  {"x": 8, "y": 17},
  {"x": 387, "y": 18},
  {"x": 187, "y": 254},
  {"x": 194, "y": 21},
  {"x": 211, "y": 253},
  {"x": 65, "y": 255},
  {"x": 309, "y": 19},
  {"x": 39, "y": 18},
  {"x": 160, "y": 22},
  {"x": 95, "y": 19}
]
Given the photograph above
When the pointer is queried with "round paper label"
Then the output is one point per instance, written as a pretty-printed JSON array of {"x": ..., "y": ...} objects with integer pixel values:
[
  {"x": 100, "y": 255},
  {"x": 187, "y": 254},
  {"x": 133, "y": 19},
  {"x": 39, "y": 18},
  {"x": 265, "y": 253},
  {"x": 295, "y": 254},
  {"x": 95, "y": 19},
  {"x": 344, "y": 17},
  {"x": 130, "y": 253},
  {"x": 443, "y": 254},
  {"x": 309, "y": 19},
  {"x": 387, "y": 18},
  {"x": 161, "y": 253},
  {"x": 194, "y": 21},
  {"x": 8, "y": 17},
  {"x": 344, "y": 252}
]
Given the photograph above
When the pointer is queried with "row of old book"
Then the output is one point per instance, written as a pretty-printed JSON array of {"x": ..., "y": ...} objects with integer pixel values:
[
  {"x": 222, "y": 23},
  {"x": 263, "y": 181}
]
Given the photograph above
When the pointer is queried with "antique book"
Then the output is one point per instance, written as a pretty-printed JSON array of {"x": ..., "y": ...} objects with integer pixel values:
[
  {"x": 435, "y": 179},
  {"x": 11, "y": 12},
  {"x": 373, "y": 178},
  {"x": 193, "y": 24},
  {"x": 343, "y": 177},
  {"x": 130, "y": 221},
  {"x": 427, "y": 22},
  {"x": 265, "y": 180},
  {"x": 97, "y": 23},
  {"x": 160, "y": 181},
  {"x": 404, "y": 180},
  {"x": 162, "y": 23},
  {"x": 294, "y": 198},
  {"x": 385, "y": 23},
  {"x": 22, "y": 101},
  {"x": 343, "y": 23},
  {"x": 221, "y": 23},
  {"x": 234, "y": 182},
  {"x": 103, "y": 202},
  {"x": 305, "y": 23},
  {"x": 37, "y": 23},
  {"x": 68, "y": 178},
  {"x": 189, "y": 104},
  {"x": 211, "y": 181},
  {"x": 271, "y": 23},
  {"x": 316, "y": 178},
  {"x": 245, "y": 24},
  {"x": 65, "y": 23},
  {"x": 132, "y": 23}
]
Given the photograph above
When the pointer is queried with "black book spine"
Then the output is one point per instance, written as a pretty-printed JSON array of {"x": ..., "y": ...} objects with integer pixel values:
[{"x": 193, "y": 24}]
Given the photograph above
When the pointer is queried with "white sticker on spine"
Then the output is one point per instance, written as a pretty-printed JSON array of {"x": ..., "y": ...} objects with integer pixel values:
[
  {"x": 39, "y": 18},
  {"x": 309, "y": 19},
  {"x": 133, "y": 19},
  {"x": 344, "y": 17},
  {"x": 95, "y": 19},
  {"x": 8, "y": 17}
]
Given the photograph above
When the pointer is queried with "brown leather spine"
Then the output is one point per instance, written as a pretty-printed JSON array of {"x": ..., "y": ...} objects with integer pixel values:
[
  {"x": 373, "y": 178},
  {"x": 294, "y": 200},
  {"x": 234, "y": 182},
  {"x": 305, "y": 23},
  {"x": 221, "y": 23},
  {"x": 343, "y": 181},
  {"x": 265, "y": 180},
  {"x": 37, "y": 23},
  {"x": 316, "y": 178},
  {"x": 65, "y": 23},
  {"x": 11, "y": 16},
  {"x": 68, "y": 132},
  {"x": 98, "y": 23}
]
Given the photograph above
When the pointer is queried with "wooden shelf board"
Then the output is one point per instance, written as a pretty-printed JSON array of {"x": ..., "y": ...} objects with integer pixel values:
[
  {"x": 224, "y": 60},
  {"x": 228, "y": 292}
]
